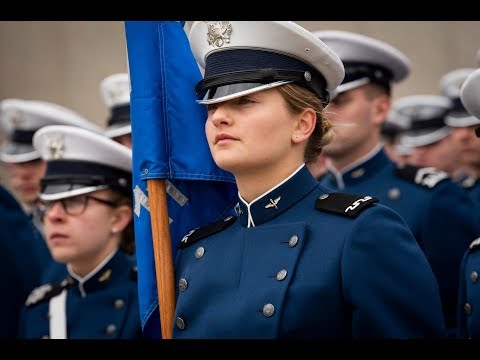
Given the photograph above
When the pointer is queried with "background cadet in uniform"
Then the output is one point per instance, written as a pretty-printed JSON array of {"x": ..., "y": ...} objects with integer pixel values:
[
  {"x": 463, "y": 132},
  {"x": 427, "y": 136},
  {"x": 469, "y": 290},
  {"x": 438, "y": 212},
  {"x": 21, "y": 261},
  {"x": 86, "y": 199},
  {"x": 299, "y": 261},
  {"x": 115, "y": 92},
  {"x": 20, "y": 119}
]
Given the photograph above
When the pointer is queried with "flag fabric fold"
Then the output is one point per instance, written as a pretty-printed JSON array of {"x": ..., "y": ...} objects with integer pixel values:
[{"x": 168, "y": 142}]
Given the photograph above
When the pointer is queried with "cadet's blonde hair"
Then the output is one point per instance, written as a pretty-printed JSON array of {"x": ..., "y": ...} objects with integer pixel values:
[{"x": 298, "y": 99}]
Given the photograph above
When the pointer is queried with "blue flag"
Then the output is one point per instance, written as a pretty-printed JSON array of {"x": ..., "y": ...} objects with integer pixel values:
[{"x": 169, "y": 142}]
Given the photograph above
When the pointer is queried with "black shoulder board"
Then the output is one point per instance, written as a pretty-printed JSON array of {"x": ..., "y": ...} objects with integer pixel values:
[
  {"x": 200, "y": 233},
  {"x": 344, "y": 204},
  {"x": 46, "y": 292},
  {"x": 474, "y": 245},
  {"x": 428, "y": 177}
]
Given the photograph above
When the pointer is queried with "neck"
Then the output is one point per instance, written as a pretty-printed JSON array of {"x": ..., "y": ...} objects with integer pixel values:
[{"x": 252, "y": 184}]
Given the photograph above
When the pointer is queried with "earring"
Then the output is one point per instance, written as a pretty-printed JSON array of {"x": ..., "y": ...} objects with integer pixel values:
[{"x": 297, "y": 136}]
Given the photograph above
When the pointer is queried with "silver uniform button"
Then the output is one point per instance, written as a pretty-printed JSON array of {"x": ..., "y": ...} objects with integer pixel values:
[
  {"x": 468, "y": 308},
  {"x": 118, "y": 304},
  {"x": 293, "y": 241},
  {"x": 394, "y": 194},
  {"x": 199, "y": 252},
  {"x": 268, "y": 310},
  {"x": 110, "y": 330},
  {"x": 282, "y": 274},
  {"x": 182, "y": 284},
  {"x": 474, "y": 277},
  {"x": 323, "y": 196},
  {"x": 180, "y": 323}
]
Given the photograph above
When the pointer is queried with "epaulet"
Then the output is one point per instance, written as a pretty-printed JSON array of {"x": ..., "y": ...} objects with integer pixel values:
[
  {"x": 199, "y": 233},
  {"x": 474, "y": 245},
  {"x": 428, "y": 177},
  {"x": 46, "y": 292},
  {"x": 344, "y": 204}
]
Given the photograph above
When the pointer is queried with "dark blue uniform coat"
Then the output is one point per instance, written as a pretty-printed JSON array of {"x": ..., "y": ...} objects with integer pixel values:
[
  {"x": 23, "y": 256},
  {"x": 103, "y": 307},
  {"x": 285, "y": 269},
  {"x": 439, "y": 213}
]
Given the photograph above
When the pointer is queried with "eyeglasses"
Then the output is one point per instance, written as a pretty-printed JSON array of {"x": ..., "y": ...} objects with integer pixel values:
[{"x": 74, "y": 205}]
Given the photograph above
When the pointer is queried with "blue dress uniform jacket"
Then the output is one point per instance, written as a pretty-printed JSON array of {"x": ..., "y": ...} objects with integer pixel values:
[
  {"x": 103, "y": 307},
  {"x": 304, "y": 272},
  {"x": 439, "y": 213},
  {"x": 469, "y": 294},
  {"x": 21, "y": 244},
  {"x": 472, "y": 187}
]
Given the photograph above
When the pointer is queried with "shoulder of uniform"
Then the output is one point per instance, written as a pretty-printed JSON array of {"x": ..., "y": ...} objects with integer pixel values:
[
  {"x": 344, "y": 204},
  {"x": 428, "y": 177},
  {"x": 474, "y": 245},
  {"x": 46, "y": 292},
  {"x": 199, "y": 233}
]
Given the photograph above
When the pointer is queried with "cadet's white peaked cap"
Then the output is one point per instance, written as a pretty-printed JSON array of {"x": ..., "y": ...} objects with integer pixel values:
[
  {"x": 450, "y": 85},
  {"x": 243, "y": 57},
  {"x": 365, "y": 59},
  {"x": 425, "y": 115},
  {"x": 115, "y": 92},
  {"x": 80, "y": 161},
  {"x": 21, "y": 118},
  {"x": 470, "y": 93}
]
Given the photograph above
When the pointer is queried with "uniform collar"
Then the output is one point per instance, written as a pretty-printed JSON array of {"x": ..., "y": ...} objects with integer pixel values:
[
  {"x": 99, "y": 277},
  {"x": 358, "y": 170},
  {"x": 278, "y": 199}
]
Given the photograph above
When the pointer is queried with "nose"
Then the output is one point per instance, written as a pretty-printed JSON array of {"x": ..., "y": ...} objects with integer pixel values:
[
  {"x": 220, "y": 115},
  {"x": 55, "y": 210}
]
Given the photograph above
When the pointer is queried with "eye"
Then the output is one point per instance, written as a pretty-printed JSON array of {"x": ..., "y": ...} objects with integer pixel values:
[{"x": 211, "y": 107}]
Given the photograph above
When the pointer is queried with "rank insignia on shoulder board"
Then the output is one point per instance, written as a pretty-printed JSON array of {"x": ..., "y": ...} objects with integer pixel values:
[
  {"x": 428, "y": 177},
  {"x": 197, "y": 234},
  {"x": 344, "y": 204},
  {"x": 46, "y": 292},
  {"x": 474, "y": 245}
]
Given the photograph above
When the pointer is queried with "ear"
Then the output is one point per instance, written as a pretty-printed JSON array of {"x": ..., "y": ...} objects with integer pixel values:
[
  {"x": 121, "y": 218},
  {"x": 381, "y": 107},
  {"x": 304, "y": 125}
]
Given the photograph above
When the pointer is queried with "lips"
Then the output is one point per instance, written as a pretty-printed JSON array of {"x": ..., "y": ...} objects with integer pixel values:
[{"x": 221, "y": 137}]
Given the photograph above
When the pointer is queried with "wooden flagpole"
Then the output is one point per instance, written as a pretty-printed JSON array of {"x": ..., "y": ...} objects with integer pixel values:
[{"x": 162, "y": 249}]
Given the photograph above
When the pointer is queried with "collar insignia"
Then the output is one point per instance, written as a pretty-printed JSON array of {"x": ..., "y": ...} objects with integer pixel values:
[{"x": 273, "y": 203}]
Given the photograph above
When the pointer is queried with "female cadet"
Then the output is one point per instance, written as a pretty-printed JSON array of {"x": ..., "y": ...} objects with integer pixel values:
[
  {"x": 86, "y": 200},
  {"x": 299, "y": 261}
]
